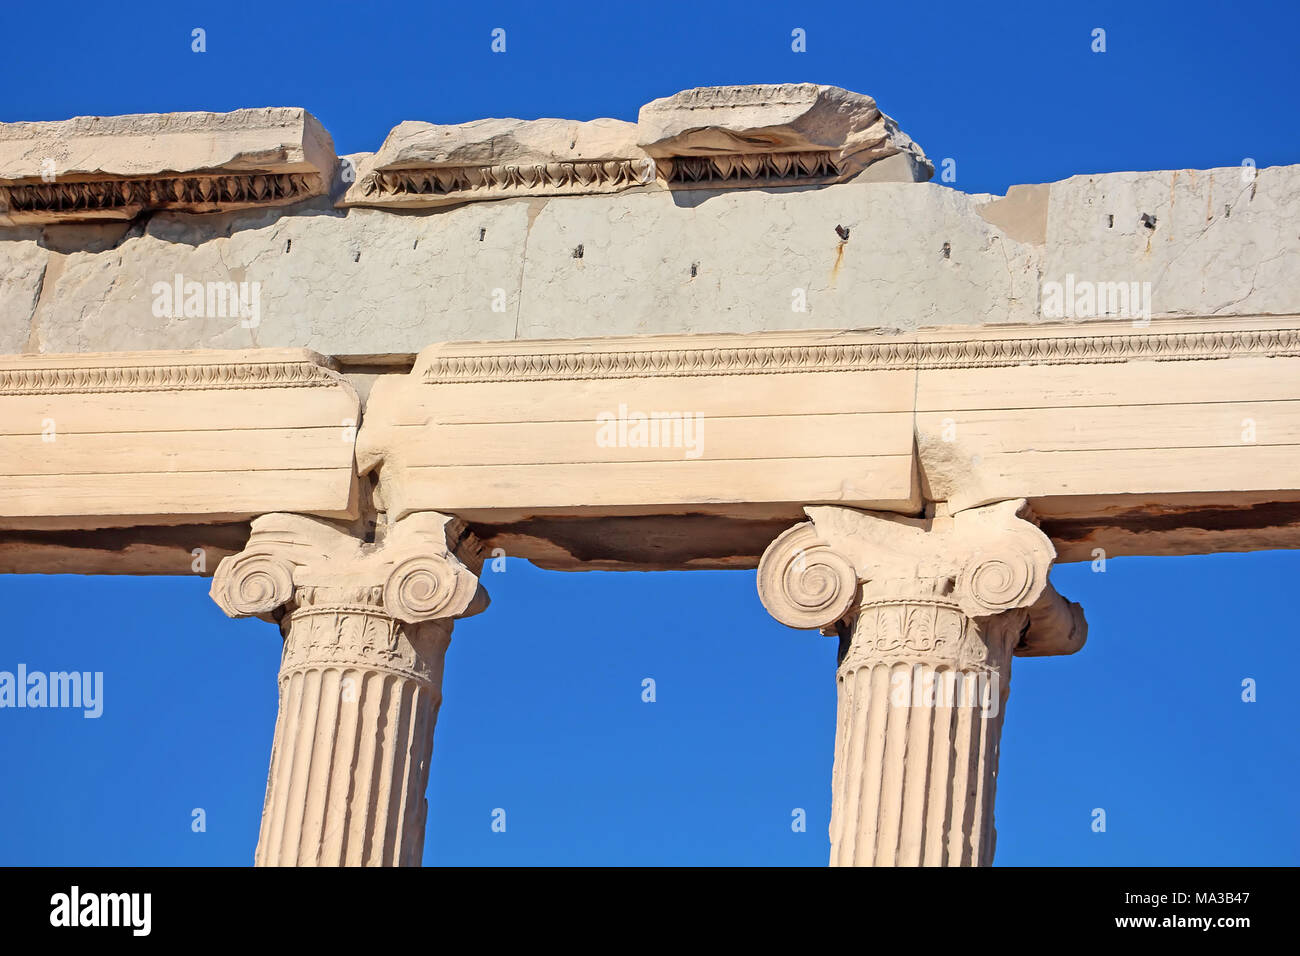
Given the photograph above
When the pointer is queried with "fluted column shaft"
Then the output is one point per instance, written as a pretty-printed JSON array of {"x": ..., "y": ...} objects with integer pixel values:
[
  {"x": 921, "y": 695},
  {"x": 359, "y": 697}
]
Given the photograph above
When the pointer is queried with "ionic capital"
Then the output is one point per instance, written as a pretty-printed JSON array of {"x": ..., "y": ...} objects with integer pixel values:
[
  {"x": 982, "y": 562},
  {"x": 424, "y": 569}
]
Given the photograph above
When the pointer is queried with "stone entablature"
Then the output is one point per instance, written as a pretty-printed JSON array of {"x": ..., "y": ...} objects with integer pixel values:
[
  {"x": 1066, "y": 416},
  {"x": 1173, "y": 438}
]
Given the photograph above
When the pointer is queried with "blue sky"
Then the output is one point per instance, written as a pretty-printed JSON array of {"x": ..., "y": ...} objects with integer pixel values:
[{"x": 543, "y": 713}]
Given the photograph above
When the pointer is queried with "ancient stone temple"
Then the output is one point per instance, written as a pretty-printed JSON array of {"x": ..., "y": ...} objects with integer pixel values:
[{"x": 745, "y": 331}]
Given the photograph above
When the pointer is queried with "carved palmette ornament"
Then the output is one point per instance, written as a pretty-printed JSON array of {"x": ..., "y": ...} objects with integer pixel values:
[
  {"x": 936, "y": 633},
  {"x": 325, "y": 633}
]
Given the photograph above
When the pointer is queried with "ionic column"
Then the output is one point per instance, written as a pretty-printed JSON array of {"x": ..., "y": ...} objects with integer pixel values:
[
  {"x": 365, "y": 629},
  {"x": 929, "y": 613}
]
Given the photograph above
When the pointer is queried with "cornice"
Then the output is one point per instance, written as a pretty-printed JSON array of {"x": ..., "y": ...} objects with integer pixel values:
[
  {"x": 797, "y": 168},
  {"x": 463, "y": 183},
  {"x": 39, "y": 201},
  {"x": 498, "y": 181}
]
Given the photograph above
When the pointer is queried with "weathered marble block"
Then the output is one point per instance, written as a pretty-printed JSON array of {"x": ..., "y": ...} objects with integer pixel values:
[
  {"x": 714, "y": 138},
  {"x": 773, "y": 135},
  {"x": 115, "y": 167},
  {"x": 423, "y": 164}
]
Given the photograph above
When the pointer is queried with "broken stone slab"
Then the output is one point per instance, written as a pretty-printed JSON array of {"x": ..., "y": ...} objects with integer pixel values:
[
  {"x": 710, "y": 138},
  {"x": 425, "y": 164},
  {"x": 115, "y": 167},
  {"x": 775, "y": 135}
]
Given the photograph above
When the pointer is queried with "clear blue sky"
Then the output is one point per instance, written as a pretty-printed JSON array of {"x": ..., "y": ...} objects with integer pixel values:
[{"x": 543, "y": 713}]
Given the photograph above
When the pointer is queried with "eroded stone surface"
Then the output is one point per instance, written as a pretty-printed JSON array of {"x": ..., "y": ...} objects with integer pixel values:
[
  {"x": 369, "y": 282},
  {"x": 22, "y": 274},
  {"x": 1210, "y": 242},
  {"x": 365, "y": 282},
  {"x": 496, "y": 141}
]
